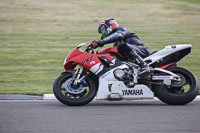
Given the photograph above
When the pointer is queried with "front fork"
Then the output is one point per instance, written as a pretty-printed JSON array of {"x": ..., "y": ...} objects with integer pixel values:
[{"x": 76, "y": 79}]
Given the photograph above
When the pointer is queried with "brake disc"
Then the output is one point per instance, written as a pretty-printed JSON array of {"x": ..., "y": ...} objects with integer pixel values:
[{"x": 78, "y": 89}]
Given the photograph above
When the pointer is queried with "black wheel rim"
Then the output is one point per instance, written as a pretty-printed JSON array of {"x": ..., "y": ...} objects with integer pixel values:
[
  {"x": 184, "y": 86},
  {"x": 69, "y": 94}
]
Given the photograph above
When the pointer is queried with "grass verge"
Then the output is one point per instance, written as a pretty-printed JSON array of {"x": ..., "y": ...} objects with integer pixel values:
[{"x": 35, "y": 36}]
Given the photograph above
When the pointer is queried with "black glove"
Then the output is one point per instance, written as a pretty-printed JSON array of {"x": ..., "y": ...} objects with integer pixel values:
[
  {"x": 96, "y": 44},
  {"x": 93, "y": 45},
  {"x": 100, "y": 43}
]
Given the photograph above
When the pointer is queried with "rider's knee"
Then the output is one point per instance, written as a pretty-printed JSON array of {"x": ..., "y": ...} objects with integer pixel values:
[{"x": 123, "y": 49}]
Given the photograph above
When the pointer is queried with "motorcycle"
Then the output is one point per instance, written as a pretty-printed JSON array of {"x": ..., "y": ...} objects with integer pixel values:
[{"x": 107, "y": 75}]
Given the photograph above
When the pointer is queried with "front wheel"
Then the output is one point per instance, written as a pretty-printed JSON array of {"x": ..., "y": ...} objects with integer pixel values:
[
  {"x": 179, "y": 93},
  {"x": 69, "y": 94}
]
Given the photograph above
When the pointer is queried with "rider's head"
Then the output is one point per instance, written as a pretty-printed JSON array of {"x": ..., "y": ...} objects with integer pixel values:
[{"x": 106, "y": 26}]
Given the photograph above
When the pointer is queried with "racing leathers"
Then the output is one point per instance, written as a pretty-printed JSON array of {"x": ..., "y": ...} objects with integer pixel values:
[{"x": 128, "y": 43}]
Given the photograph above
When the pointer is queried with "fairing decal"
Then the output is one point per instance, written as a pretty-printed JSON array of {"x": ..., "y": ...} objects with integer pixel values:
[
  {"x": 87, "y": 60},
  {"x": 96, "y": 68}
]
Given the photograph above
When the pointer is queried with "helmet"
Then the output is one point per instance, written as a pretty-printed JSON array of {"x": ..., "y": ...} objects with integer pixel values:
[{"x": 106, "y": 26}]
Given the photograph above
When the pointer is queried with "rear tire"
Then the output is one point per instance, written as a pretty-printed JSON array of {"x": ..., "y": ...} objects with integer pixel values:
[
  {"x": 87, "y": 96},
  {"x": 168, "y": 96}
]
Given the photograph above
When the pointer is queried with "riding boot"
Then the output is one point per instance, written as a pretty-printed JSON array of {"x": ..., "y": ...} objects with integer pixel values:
[{"x": 135, "y": 58}]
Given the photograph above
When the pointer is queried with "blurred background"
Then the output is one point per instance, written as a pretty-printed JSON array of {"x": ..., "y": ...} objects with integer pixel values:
[{"x": 37, "y": 35}]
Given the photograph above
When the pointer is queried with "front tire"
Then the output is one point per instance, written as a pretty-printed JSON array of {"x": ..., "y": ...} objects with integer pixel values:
[
  {"x": 67, "y": 98},
  {"x": 178, "y": 95}
]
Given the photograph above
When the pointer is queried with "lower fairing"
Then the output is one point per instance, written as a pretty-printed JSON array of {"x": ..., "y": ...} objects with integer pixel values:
[{"x": 113, "y": 89}]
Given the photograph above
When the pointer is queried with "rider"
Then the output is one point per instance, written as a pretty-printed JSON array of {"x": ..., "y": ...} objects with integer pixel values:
[{"x": 128, "y": 43}]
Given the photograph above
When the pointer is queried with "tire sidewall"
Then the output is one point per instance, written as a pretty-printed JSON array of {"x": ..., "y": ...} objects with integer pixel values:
[
  {"x": 176, "y": 99},
  {"x": 69, "y": 101}
]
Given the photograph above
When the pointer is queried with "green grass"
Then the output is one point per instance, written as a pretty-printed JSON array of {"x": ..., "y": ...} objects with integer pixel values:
[{"x": 35, "y": 36}]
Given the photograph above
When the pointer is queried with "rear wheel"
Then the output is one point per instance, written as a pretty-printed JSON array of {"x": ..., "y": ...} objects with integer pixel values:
[
  {"x": 74, "y": 95},
  {"x": 180, "y": 92}
]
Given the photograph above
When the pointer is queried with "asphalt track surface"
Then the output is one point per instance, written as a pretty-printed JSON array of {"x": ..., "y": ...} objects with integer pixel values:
[{"x": 50, "y": 116}]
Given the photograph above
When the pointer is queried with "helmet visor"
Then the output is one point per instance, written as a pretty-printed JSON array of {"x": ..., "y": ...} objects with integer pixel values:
[{"x": 102, "y": 29}]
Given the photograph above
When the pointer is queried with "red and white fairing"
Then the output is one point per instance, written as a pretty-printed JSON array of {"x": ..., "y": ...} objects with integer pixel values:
[
  {"x": 87, "y": 60},
  {"x": 112, "y": 88}
]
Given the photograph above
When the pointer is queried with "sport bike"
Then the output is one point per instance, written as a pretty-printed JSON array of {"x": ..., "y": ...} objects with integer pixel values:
[{"x": 107, "y": 75}]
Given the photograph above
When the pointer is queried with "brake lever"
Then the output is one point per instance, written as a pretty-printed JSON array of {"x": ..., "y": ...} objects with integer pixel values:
[{"x": 89, "y": 50}]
